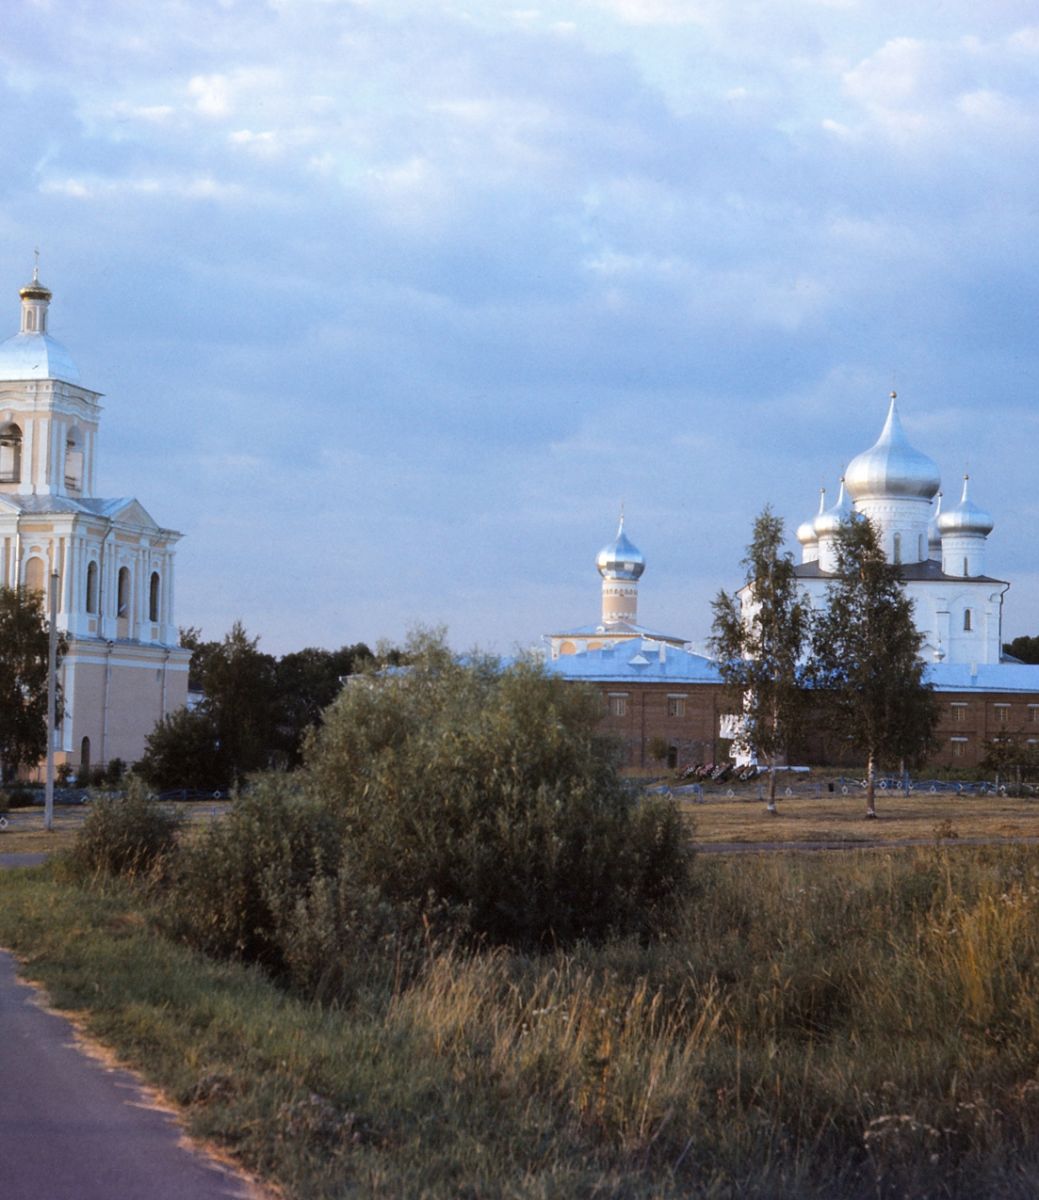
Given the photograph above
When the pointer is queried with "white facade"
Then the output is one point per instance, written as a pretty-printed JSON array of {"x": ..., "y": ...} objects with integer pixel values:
[
  {"x": 112, "y": 564},
  {"x": 941, "y": 556}
]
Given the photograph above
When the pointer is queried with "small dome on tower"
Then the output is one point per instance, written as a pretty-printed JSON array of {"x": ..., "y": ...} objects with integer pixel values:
[
  {"x": 32, "y": 353},
  {"x": 827, "y": 523},
  {"x": 619, "y": 559},
  {"x": 966, "y": 517},
  {"x": 892, "y": 467}
]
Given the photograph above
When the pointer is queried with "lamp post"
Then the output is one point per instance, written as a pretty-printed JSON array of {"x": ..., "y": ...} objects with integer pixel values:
[{"x": 52, "y": 695}]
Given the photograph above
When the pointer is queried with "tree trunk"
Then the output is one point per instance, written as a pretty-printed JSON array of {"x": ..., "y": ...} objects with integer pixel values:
[
  {"x": 871, "y": 786},
  {"x": 772, "y": 787}
]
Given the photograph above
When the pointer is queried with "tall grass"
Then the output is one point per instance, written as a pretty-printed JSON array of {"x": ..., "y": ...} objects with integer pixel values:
[{"x": 861, "y": 1025}]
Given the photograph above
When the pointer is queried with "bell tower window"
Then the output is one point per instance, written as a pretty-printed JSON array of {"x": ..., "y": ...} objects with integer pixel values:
[
  {"x": 123, "y": 593},
  {"x": 10, "y": 454},
  {"x": 92, "y": 588},
  {"x": 153, "y": 597},
  {"x": 74, "y": 461}
]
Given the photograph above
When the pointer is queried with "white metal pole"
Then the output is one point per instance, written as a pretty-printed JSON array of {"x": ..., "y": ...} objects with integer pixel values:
[{"x": 52, "y": 670}]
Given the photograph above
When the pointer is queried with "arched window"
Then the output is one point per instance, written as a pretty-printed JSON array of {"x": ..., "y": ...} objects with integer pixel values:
[
  {"x": 92, "y": 588},
  {"x": 966, "y": 570},
  {"x": 123, "y": 593},
  {"x": 30, "y": 321},
  {"x": 10, "y": 454},
  {"x": 920, "y": 547},
  {"x": 153, "y": 597},
  {"x": 84, "y": 758},
  {"x": 74, "y": 460},
  {"x": 968, "y": 620},
  {"x": 34, "y": 575},
  {"x": 898, "y": 547}
]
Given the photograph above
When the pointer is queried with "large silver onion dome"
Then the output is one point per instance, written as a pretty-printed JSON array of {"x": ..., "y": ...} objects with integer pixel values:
[
  {"x": 966, "y": 517},
  {"x": 892, "y": 467},
  {"x": 828, "y": 522},
  {"x": 620, "y": 559}
]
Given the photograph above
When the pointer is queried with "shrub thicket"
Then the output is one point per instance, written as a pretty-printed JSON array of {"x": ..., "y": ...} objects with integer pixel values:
[
  {"x": 236, "y": 885},
  {"x": 124, "y": 835},
  {"x": 490, "y": 790}
]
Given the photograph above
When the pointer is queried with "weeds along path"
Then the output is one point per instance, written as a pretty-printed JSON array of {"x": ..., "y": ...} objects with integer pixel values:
[{"x": 72, "y": 1127}]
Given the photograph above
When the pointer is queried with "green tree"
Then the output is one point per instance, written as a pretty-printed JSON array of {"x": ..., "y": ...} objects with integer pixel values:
[
  {"x": 759, "y": 638},
  {"x": 306, "y": 683},
  {"x": 865, "y": 661},
  {"x": 489, "y": 790},
  {"x": 182, "y": 751},
  {"x": 1024, "y": 648},
  {"x": 240, "y": 697},
  {"x": 23, "y": 679}
]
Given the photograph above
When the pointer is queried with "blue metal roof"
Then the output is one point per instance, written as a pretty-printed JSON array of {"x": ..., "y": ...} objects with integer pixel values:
[{"x": 636, "y": 661}]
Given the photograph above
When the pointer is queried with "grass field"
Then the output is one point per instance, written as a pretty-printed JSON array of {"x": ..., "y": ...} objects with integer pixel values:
[
  {"x": 740, "y": 818},
  {"x": 838, "y": 818}
]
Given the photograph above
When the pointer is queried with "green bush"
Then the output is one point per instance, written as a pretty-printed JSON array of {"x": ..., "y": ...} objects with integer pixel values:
[
  {"x": 490, "y": 790},
  {"x": 124, "y": 835},
  {"x": 237, "y": 886}
]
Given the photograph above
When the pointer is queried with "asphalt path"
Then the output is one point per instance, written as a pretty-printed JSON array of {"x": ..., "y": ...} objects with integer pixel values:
[{"x": 74, "y": 1128}]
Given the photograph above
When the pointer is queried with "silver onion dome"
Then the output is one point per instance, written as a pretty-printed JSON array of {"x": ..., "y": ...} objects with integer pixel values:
[
  {"x": 966, "y": 517},
  {"x": 827, "y": 523},
  {"x": 892, "y": 467},
  {"x": 934, "y": 533},
  {"x": 620, "y": 559},
  {"x": 806, "y": 534}
]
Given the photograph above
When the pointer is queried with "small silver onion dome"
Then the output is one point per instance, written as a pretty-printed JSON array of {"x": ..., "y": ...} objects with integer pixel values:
[
  {"x": 806, "y": 530},
  {"x": 966, "y": 517},
  {"x": 827, "y": 523},
  {"x": 934, "y": 533},
  {"x": 892, "y": 467},
  {"x": 619, "y": 559}
]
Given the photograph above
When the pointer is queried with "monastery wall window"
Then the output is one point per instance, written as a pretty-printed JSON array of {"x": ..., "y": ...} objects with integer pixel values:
[
  {"x": 92, "y": 588},
  {"x": 153, "y": 597},
  {"x": 1002, "y": 714},
  {"x": 676, "y": 706},
  {"x": 959, "y": 747},
  {"x": 34, "y": 572},
  {"x": 10, "y": 454},
  {"x": 968, "y": 618},
  {"x": 617, "y": 702},
  {"x": 1033, "y": 714},
  {"x": 123, "y": 593},
  {"x": 959, "y": 713}
]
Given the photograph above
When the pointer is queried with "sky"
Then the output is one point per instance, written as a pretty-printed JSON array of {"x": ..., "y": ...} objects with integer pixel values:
[{"x": 395, "y": 303}]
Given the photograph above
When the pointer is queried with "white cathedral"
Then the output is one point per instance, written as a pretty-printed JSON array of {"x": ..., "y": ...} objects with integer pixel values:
[
  {"x": 940, "y": 554},
  {"x": 110, "y": 562}
]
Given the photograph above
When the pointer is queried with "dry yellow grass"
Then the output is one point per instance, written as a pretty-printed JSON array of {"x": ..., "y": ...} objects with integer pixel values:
[{"x": 835, "y": 818}]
